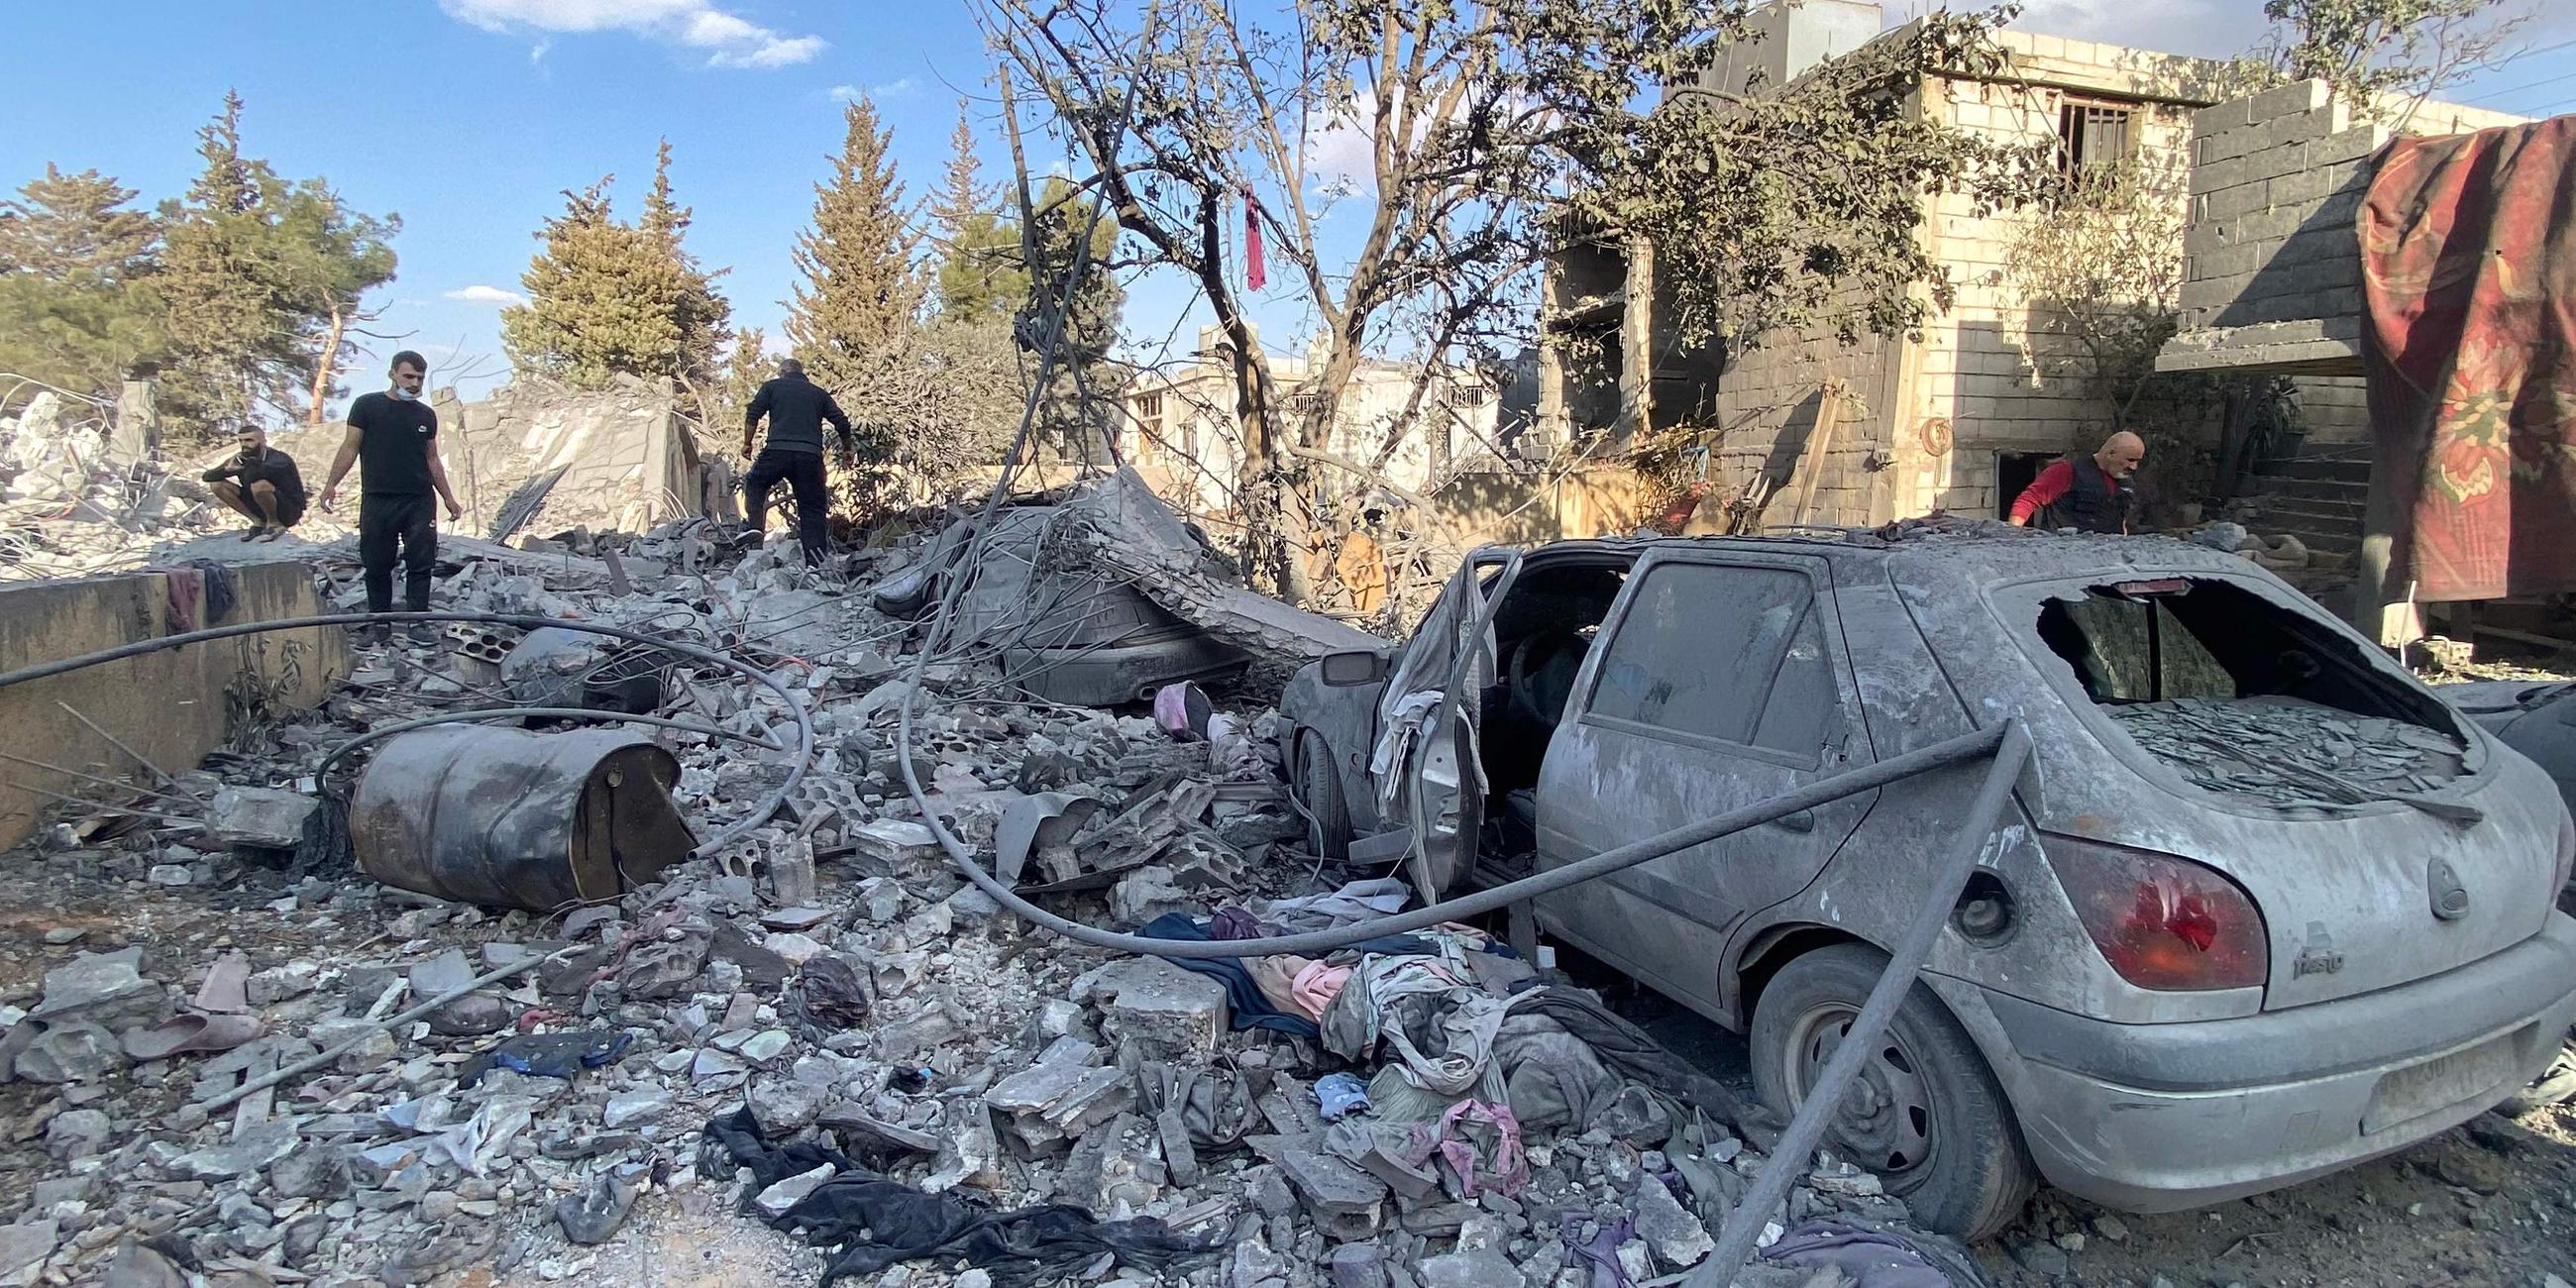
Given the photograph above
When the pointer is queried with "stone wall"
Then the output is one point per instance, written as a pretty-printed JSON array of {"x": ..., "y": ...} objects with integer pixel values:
[
  {"x": 2272, "y": 280},
  {"x": 173, "y": 706}
]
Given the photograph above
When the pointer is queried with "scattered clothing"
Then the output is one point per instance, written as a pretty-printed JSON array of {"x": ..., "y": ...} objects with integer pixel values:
[
  {"x": 1235, "y": 923},
  {"x": 1627, "y": 1051},
  {"x": 1249, "y": 1007},
  {"x": 1602, "y": 1253},
  {"x": 548, "y": 1055},
  {"x": 187, "y": 595},
  {"x": 1277, "y": 979},
  {"x": 218, "y": 579},
  {"x": 872, "y": 1223},
  {"x": 1551, "y": 1077},
  {"x": 1873, "y": 1258},
  {"x": 1316, "y": 986},
  {"x": 1357, "y": 901},
  {"x": 1183, "y": 710},
  {"x": 1337, "y": 1094},
  {"x": 1481, "y": 1142}
]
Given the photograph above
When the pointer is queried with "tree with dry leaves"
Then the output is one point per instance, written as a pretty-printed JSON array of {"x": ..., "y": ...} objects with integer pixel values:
[{"x": 1480, "y": 125}]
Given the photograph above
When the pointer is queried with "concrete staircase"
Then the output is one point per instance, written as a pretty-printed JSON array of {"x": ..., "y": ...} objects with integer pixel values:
[{"x": 2315, "y": 496}]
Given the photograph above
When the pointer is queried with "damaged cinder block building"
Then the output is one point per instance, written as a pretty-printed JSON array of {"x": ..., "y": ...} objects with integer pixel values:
[{"x": 1960, "y": 420}]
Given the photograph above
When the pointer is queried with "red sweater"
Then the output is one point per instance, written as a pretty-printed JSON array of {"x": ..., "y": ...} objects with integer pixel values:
[{"x": 2053, "y": 482}]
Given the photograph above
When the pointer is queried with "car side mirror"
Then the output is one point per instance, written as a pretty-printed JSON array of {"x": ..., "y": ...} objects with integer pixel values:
[{"x": 1352, "y": 667}]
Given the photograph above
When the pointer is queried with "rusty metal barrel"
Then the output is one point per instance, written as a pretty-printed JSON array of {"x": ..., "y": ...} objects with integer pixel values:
[{"x": 509, "y": 818}]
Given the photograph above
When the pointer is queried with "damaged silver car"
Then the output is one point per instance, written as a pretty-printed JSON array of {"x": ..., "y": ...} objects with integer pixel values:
[{"x": 2263, "y": 907}]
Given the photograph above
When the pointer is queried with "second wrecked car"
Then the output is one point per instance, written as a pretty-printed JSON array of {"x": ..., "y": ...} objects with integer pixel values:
[{"x": 2264, "y": 906}]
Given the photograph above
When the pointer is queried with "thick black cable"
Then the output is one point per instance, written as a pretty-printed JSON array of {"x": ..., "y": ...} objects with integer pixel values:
[{"x": 761, "y": 812}]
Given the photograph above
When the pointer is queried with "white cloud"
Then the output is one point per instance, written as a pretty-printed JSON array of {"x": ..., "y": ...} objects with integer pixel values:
[
  {"x": 2201, "y": 28},
  {"x": 904, "y": 88},
  {"x": 729, "y": 39},
  {"x": 480, "y": 294}
]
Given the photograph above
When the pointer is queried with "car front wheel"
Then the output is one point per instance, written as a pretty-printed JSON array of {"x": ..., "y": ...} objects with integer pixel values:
[{"x": 1925, "y": 1114}]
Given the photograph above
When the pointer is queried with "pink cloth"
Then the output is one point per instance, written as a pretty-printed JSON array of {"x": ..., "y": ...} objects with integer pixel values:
[{"x": 1317, "y": 986}]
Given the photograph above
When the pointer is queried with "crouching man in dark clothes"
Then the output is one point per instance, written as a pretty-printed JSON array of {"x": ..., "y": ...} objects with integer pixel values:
[
  {"x": 796, "y": 408},
  {"x": 393, "y": 440},
  {"x": 261, "y": 483}
]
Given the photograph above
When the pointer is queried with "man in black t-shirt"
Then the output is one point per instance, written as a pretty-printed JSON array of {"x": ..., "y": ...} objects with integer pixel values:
[
  {"x": 796, "y": 408},
  {"x": 393, "y": 439},
  {"x": 261, "y": 483}
]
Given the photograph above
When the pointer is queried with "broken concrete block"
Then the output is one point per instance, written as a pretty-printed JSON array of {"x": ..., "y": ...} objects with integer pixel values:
[
  {"x": 71, "y": 1053},
  {"x": 1051, "y": 1102},
  {"x": 101, "y": 988},
  {"x": 24, "y": 1247},
  {"x": 1347, "y": 1203},
  {"x": 892, "y": 847},
  {"x": 1480, "y": 1268},
  {"x": 971, "y": 1154},
  {"x": 774, "y": 1201},
  {"x": 257, "y": 1148},
  {"x": 1167, "y": 1012},
  {"x": 1148, "y": 893},
  {"x": 1671, "y": 1232},
  {"x": 259, "y": 818}
]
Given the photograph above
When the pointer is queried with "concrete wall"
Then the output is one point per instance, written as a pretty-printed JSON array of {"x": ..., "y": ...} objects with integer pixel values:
[
  {"x": 2272, "y": 278},
  {"x": 1191, "y": 448},
  {"x": 172, "y": 706}
]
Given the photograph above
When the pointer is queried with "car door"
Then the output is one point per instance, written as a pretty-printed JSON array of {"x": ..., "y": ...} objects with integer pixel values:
[
  {"x": 1425, "y": 766},
  {"x": 1720, "y": 681}
]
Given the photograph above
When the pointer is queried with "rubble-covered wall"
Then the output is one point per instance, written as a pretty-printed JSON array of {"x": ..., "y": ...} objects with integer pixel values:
[
  {"x": 2272, "y": 270},
  {"x": 539, "y": 458},
  {"x": 173, "y": 706}
]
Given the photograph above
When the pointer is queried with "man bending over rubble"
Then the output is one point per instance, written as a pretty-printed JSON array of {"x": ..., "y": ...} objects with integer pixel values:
[
  {"x": 796, "y": 408},
  {"x": 393, "y": 439},
  {"x": 261, "y": 483},
  {"x": 2086, "y": 493}
]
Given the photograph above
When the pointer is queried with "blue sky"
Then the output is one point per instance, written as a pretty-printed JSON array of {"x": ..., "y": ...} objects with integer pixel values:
[{"x": 469, "y": 118}]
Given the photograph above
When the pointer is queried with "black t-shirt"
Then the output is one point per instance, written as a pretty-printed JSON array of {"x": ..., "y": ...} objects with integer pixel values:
[
  {"x": 273, "y": 467},
  {"x": 394, "y": 442}
]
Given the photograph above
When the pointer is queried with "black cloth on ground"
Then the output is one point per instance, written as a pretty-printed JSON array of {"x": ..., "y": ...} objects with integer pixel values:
[{"x": 873, "y": 1223}]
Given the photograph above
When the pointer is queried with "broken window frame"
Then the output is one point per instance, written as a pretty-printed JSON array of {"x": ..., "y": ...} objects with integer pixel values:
[
  {"x": 1820, "y": 613},
  {"x": 2082, "y": 125},
  {"x": 2017, "y": 605}
]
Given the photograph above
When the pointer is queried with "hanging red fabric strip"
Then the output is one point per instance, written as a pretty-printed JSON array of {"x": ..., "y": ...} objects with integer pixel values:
[{"x": 1252, "y": 272}]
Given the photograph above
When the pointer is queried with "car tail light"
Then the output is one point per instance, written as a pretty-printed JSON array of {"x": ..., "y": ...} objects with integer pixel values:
[{"x": 2162, "y": 922}]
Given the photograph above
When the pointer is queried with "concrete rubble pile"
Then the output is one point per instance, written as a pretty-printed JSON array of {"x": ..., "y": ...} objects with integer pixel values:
[
  {"x": 823, "y": 1027},
  {"x": 75, "y": 500}
]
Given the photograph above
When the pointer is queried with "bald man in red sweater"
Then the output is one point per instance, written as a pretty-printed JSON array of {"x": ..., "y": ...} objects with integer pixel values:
[{"x": 2087, "y": 493}]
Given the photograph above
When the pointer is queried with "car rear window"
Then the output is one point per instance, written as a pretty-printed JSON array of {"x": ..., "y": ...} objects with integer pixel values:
[{"x": 2246, "y": 696}]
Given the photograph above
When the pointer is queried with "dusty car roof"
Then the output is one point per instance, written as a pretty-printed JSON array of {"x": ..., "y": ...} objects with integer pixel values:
[{"x": 1948, "y": 549}]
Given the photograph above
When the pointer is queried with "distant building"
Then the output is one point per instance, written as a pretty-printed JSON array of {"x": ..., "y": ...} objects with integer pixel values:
[
  {"x": 1959, "y": 420},
  {"x": 1183, "y": 434}
]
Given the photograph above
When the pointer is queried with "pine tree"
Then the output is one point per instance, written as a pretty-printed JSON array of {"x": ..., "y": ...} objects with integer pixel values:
[
  {"x": 258, "y": 277},
  {"x": 607, "y": 298},
  {"x": 76, "y": 307},
  {"x": 746, "y": 366},
  {"x": 861, "y": 292},
  {"x": 703, "y": 314},
  {"x": 65, "y": 224},
  {"x": 978, "y": 275}
]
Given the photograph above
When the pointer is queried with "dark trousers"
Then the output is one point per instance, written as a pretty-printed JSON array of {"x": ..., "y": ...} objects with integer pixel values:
[
  {"x": 385, "y": 522},
  {"x": 804, "y": 474}
]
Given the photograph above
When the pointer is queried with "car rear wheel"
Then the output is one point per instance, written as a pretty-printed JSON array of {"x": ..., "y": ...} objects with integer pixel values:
[
  {"x": 1925, "y": 1114},
  {"x": 1318, "y": 784},
  {"x": 2556, "y": 1084}
]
